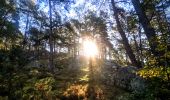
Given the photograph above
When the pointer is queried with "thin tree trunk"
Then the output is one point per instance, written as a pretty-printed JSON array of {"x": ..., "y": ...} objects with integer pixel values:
[
  {"x": 74, "y": 53},
  {"x": 51, "y": 62},
  {"x": 137, "y": 48},
  {"x": 26, "y": 30},
  {"x": 140, "y": 46},
  {"x": 54, "y": 46},
  {"x": 125, "y": 40}
]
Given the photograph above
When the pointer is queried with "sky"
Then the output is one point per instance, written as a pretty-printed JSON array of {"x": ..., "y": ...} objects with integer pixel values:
[
  {"x": 168, "y": 12},
  {"x": 74, "y": 10},
  {"x": 79, "y": 8}
]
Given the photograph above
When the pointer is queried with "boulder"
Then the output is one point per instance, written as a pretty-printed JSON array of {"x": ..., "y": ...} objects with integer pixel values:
[{"x": 125, "y": 77}]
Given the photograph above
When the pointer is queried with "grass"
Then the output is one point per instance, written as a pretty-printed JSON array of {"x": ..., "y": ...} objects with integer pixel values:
[{"x": 79, "y": 84}]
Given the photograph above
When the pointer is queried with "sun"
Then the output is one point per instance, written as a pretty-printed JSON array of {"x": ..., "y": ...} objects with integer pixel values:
[{"x": 90, "y": 48}]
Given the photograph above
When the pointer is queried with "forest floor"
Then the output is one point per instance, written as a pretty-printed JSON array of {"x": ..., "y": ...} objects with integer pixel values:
[{"x": 80, "y": 83}]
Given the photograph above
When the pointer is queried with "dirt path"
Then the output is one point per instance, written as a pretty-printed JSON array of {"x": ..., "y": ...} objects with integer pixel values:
[{"x": 83, "y": 84}]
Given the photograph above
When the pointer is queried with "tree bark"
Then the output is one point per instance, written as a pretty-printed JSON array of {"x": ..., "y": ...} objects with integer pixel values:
[
  {"x": 124, "y": 39},
  {"x": 51, "y": 62},
  {"x": 149, "y": 30},
  {"x": 136, "y": 48}
]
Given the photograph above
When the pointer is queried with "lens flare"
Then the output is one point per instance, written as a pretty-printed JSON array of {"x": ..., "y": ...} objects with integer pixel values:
[{"x": 90, "y": 48}]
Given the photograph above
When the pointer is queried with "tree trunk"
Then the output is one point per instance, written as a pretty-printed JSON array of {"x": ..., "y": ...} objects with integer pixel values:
[
  {"x": 124, "y": 39},
  {"x": 74, "y": 47},
  {"x": 51, "y": 62},
  {"x": 26, "y": 31},
  {"x": 140, "y": 46},
  {"x": 136, "y": 48},
  {"x": 149, "y": 30}
]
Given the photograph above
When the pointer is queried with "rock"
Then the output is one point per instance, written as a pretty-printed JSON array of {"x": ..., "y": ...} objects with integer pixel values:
[
  {"x": 126, "y": 78},
  {"x": 137, "y": 84}
]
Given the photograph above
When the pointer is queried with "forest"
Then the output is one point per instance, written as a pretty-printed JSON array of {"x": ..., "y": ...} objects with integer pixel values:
[{"x": 84, "y": 50}]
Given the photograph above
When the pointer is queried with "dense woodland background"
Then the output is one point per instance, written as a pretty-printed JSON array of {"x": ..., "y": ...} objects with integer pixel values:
[{"x": 41, "y": 48}]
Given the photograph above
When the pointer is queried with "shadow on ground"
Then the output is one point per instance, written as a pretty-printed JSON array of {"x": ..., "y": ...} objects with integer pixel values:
[{"x": 83, "y": 84}]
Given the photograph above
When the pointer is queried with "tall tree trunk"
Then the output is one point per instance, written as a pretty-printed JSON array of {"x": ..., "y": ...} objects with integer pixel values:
[
  {"x": 136, "y": 48},
  {"x": 54, "y": 46},
  {"x": 124, "y": 39},
  {"x": 51, "y": 62},
  {"x": 26, "y": 31},
  {"x": 74, "y": 47},
  {"x": 149, "y": 30},
  {"x": 140, "y": 46}
]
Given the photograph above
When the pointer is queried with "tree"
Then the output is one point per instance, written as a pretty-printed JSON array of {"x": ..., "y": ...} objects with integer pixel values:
[
  {"x": 51, "y": 62},
  {"x": 124, "y": 39},
  {"x": 149, "y": 30}
]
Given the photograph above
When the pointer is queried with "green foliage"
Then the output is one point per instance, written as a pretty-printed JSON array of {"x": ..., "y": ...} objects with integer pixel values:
[
  {"x": 39, "y": 88},
  {"x": 154, "y": 72},
  {"x": 157, "y": 79},
  {"x": 20, "y": 81}
]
